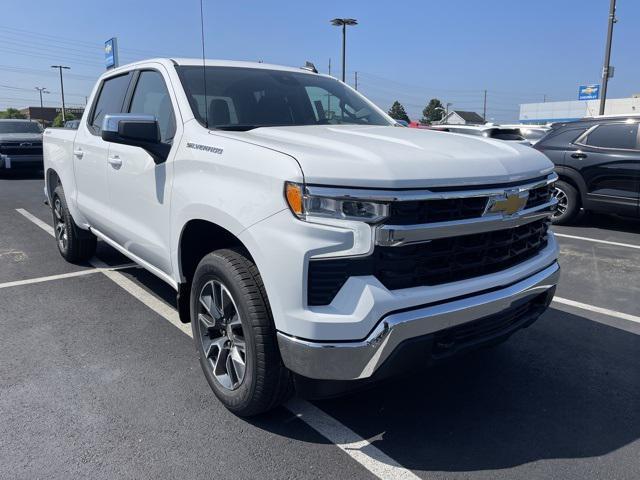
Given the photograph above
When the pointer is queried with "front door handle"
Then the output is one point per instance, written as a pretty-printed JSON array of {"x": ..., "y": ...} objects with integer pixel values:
[
  {"x": 578, "y": 155},
  {"x": 115, "y": 161},
  {"x": 78, "y": 153}
]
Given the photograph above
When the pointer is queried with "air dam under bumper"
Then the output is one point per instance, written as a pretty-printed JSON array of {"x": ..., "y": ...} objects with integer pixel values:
[{"x": 361, "y": 359}]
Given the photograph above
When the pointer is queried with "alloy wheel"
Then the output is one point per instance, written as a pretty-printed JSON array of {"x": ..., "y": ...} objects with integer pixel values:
[
  {"x": 221, "y": 335},
  {"x": 60, "y": 225},
  {"x": 563, "y": 202}
]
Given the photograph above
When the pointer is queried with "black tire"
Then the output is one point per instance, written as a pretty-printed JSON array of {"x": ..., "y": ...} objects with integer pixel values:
[
  {"x": 569, "y": 203},
  {"x": 266, "y": 382},
  {"x": 74, "y": 243}
]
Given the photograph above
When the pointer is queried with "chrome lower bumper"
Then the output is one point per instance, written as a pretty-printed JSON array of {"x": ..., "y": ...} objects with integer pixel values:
[{"x": 361, "y": 359}]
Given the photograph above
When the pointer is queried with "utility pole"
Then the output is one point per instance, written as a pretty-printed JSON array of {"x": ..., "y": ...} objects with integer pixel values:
[
  {"x": 484, "y": 108},
  {"x": 343, "y": 22},
  {"x": 607, "y": 55},
  {"x": 60, "y": 68},
  {"x": 356, "y": 74},
  {"x": 41, "y": 90},
  {"x": 544, "y": 98}
]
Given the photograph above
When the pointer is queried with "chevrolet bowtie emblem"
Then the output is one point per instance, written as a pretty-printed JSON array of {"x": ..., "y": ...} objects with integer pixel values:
[{"x": 507, "y": 204}]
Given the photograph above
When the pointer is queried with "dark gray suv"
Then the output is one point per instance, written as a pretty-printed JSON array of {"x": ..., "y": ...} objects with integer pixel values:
[{"x": 598, "y": 162}]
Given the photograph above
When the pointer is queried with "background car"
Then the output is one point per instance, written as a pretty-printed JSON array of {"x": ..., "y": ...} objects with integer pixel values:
[
  {"x": 532, "y": 133},
  {"x": 73, "y": 124},
  {"x": 598, "y": 162},
  {"x": 20, "y": 144},
  {"x": 495, "y": 132}
]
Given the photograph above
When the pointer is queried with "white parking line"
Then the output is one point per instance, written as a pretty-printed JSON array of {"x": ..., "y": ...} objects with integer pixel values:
[
  {"x": 595, "y": 240},
  {"x": 359, "y": 449},
  {"x": 593, "y": 308},
  {"x": 45, "y": 226},
  {"x": 79, "y": 273}
]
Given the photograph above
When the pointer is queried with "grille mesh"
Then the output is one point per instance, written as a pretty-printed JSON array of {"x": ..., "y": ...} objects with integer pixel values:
[{"x": 433, "y": 263}]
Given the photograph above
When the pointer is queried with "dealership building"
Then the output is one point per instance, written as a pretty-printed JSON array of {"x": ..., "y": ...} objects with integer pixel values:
[
  {"x": 45, "y": 115},
  {"x": 545, "y": 112}
]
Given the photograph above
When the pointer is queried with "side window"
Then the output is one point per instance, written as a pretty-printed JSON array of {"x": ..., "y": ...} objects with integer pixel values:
[
  {"x": 614, "y": 135},
  {"x": 152, "y": 97},
  {"x": 563, "y": 138},
  {"x": 110, "y": 99}
]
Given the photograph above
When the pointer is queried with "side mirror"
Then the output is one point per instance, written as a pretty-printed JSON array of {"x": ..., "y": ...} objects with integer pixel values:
[{"x": 136, "y": 130}]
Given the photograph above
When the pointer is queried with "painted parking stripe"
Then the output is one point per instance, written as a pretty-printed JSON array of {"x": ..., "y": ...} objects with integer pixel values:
[
  {"x": 359, "y": 449},
  {"x": 61, "y": 276},
  {"x": 595, "y": 240},
  {"x": 593, "y": 308},
  {"x": 45, "y": 226}
]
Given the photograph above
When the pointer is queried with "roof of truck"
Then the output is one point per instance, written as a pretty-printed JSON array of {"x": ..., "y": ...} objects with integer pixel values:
[{"x": 215, "y": 63}]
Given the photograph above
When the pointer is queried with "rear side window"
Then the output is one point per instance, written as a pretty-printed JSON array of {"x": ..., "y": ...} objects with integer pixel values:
[
  {"x": 561, "y": 139},
  {"x": 614, "y": 135},
  {"x": 110, "y": 99},
  {"x": 152, "y": 97}
]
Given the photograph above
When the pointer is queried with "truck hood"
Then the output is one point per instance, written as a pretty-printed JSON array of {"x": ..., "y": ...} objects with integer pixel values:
[
  {"x": 20, "y": 137},
  {"x": 398, "y": 157}
]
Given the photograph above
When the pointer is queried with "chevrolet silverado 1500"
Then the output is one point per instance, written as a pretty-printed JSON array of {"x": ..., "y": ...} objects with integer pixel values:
[{"x": 306, "y": 235}]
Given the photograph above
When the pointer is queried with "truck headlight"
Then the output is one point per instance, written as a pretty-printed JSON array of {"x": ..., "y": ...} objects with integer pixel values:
[{"x": 304, "y": 205}]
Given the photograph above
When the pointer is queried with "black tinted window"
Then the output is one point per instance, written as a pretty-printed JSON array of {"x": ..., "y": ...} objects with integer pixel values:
[
  {"x": 506, "y": 134},
  {"x": 110, "y": 99},
  {"x": 152, "y": 97},
  {"x": 614, "y": 135},
  {"x": 244, "y": 98},
  {"x": 562, "y": 138}
]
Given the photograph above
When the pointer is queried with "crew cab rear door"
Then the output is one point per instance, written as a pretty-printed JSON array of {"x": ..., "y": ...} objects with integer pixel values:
[
  {"x": 90, "y": 153},
  {"x": 140, "y": 189}
]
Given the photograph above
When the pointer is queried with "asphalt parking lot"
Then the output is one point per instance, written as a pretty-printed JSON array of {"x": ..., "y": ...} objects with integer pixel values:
[{"x": 96, "y": 383}]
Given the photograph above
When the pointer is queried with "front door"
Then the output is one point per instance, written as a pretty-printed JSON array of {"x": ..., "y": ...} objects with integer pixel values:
[
  {"x": 90, "y": 153},
  {"x": 608, "y": 156},
  {"x": 140, "y": 190}
]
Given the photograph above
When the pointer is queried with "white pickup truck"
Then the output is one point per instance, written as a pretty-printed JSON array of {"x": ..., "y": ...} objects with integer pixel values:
[{"x": 309, "y": 237}]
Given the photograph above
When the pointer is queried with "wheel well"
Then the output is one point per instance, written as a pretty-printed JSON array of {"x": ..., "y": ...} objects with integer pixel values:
[
  {"x": 574, "y": 184},
  {"x": 200, "y": 237},
  {"x": 52, "y": 181}
]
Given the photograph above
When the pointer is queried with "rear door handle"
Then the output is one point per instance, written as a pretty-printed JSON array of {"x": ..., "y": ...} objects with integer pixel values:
[
  {"x": 115, "y": 161},
  {"x": 578, "y": 155},
  {"x": 78, "y": 153}
]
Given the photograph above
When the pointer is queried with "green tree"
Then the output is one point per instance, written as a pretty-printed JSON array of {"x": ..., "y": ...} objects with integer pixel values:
[
  {"x": 433, "y": 112},
  {"x": 57, "y": 122},
  {"x": 397, "y": 112},
  {"x": 12, "y": 113}
]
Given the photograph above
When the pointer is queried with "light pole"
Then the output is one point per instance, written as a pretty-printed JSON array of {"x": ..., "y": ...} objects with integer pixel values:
[
  {"x": 60, "y": 68},
  {"x": 448, "y": 105},
  {"x": 343, "y": 22},
  {"x": 42, "y": 90},
  {"x": 607, "y": 54}
]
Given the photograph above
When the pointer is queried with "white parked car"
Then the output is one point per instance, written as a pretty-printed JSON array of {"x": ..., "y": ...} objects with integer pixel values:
[
  {"x": 495, "y": 132},
  {"x": 306, "y": 236}
]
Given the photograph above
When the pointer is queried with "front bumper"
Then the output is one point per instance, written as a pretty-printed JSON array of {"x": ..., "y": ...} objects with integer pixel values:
[{"x": 361, "y": 359}]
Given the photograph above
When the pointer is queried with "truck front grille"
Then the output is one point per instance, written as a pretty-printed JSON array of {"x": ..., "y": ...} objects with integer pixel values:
[
  {"x": 452, "y": 209},
  {"x": 21, "y": 148},
  {"x": 436, "y": 262}
]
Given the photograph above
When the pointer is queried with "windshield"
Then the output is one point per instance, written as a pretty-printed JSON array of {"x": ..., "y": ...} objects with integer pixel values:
[
  {"x": 245, "y": 98},
  {"x": 20, "y": 127}
]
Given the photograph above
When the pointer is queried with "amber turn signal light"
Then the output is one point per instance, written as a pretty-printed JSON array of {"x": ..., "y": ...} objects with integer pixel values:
[{"x": 293, "y": 194}]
